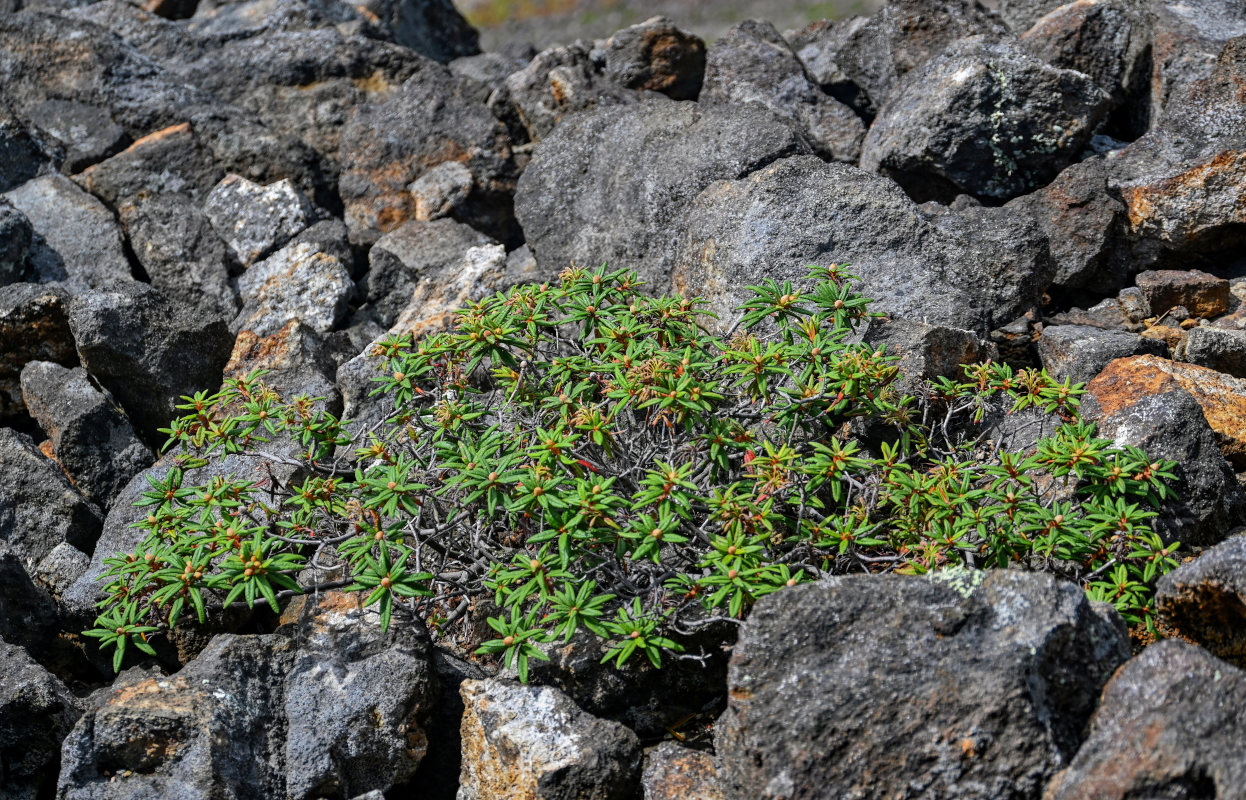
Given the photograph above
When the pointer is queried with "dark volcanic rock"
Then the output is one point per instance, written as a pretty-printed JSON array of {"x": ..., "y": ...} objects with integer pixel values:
[
  {"x": 296, "y": 283},
  {"x": 37, "y": 712},
  {"x": 673, "y": 772},
  {"x": 1215, "y": 348},
  {"x": 295, "y": 359},
  {"x": 91, "y": 439},
  {"x": 989, "y": 679},
  {"x": 975, "y": 269},
  {"x": 1170, "y": 726},
  {"x": 657, "y": 56},
  {"x": 432, "y": 28},
  {"x": 21, "y": 156},
  {"x": 1204, "y": 600},
  {"x": 983, "y": 118},
  {"x": 613, "y": 185},
  {"x": 752, "y": 63},
  {"x": 27, "y": 612},
  {"x": 1201, "y": 294},
  {"x": 15, "y": 238},
  {"x": 34, "y": 326},
  {"x": 558, "y": 82},
  {"x": 1185, "y": 41},
  {"x": 148, "y": 351},
  {"x": 85, "y": 133},
  {"x": 928, "y": 351},
  {"x": 1080, "y": 352},
  {"x": 39, "y": 507},
  {"x": 171, "y": 160}
]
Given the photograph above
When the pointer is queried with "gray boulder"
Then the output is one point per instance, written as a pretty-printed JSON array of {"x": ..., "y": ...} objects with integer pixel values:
[
  {"x": 441, "y": 190},
  {"x": 752, "y": 63},
  {"x": 1080, "y": 352},
  {"x": 255, "y": 220},
  {"x": 613, "y": 185},
  {"x": 84, "y": 134},
  {"x": 21, "y": 155},
  {"x": 974, "y": 269},
  {"x": 296, "y": 283},
  {"x": 1186, "y": 39},
  {"x": 984, "y": 118},
  {"x": 928, "y": 351},
  {"x": 534, "y": 742},
  {"x": 1199, "y": 293},
  {"x": 37, "y": 712},
  {"x": 148, "y": 351},
  {"x": 961, "y": 684},
  {"x": 174, "y": 160},
  {"x": 34, "y": 326},
  {"x": 656, "y": 56},
  {"x": 296, "y": 361},
  {"x": 27, "y": 612},
  {"x": 1204, "y": 600},
  {"x": 1170, "y": 725},
  {"x": 818, "y": 46},
  {"x": 91, "y": 438},
  {"x": 1223, "y": 350},
  {"x": 15, "y": 238},
  {"x": 558, "y": 82},
  {"x": 432, "y": 28}
]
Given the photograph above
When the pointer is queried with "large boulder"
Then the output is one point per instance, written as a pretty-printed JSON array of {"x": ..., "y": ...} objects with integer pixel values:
[
  {"x": 752, "y": 63},
  {"x": 1185, "y": 41},
  {"x": 984, "y": 118},
  {"x": 1204, "y": 600},
  {"x": 1080, "y": 352},
  {"x": 613, "y": 185},
  {"x": 255, "y": 220},
  {"x": 80, "y": 134},
  {"x": 37, "y": 712},
  {"x": 171, "y": 160},
  {"x": 1170, "y": 725},
  {"x": 974, "y": 269},
  {"x": 21, "y": 155},
  {"x": 963, "y": 684},
  {"x": 656, "y": 56}
]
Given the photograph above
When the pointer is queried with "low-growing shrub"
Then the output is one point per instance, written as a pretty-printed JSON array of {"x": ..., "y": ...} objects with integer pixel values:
[{"x": 594, "y": 457}]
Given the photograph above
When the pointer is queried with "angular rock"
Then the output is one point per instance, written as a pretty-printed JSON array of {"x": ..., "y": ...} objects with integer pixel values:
[
  {"x": 91, "y": 439},
  {"x": 656, "y": 56},
  {"x": 39, "y": 507},
  {"x": 61, "y": 568},
  {"x": 78, "y": 242},
  {"x": 295, "y": 359},
  {"x": 1080, "y": 352},
  {"x": 148, "y": 351},
  {"x": 37, "y": 712},
  {"x": 1169, "y": 726},
  {"x": 256, "y": 220},
  {"x": 15, "y": 239},
  {"x": 86, "y": 133},
  {"x": 974, "y": 270},
  {"x": 441, "y": 190},
  {"x": 34, "y": 326},
  {"x": 402, "y": 257},
  {"x": 673, "y": 772},
  {"x": 1085, "y": 226},
  {"x": 928, "y": 351},
  {"x": 1022, "y": 14},
  {"x": 818, "y": 46},
  {"x": 1204, "y": 600},
  {"x": 984, "y": 118},
  {"x": 432, "y": 28},
  {"x": 21, "y": 156},
  {"x": 560, "y": 81},
  {"x": 533, "y": 742},
  {"x": 1185, "y": 41},
  {"x": 27, "y": 613},
  {"x": 752, "y": 63},
  {"x": 171, "y": 160},
  {"x": 1214, "y": 348},
  {"x": 295, "y": 283},
  {"x": 181, "y": 253},
  {"x": 613, "y": 185},
  {"x": 1202, "y": 295},
  {"x": 489, "y": 69},
  {"x": 438, "y": 297},
  {"x": 964, "y": 684}
]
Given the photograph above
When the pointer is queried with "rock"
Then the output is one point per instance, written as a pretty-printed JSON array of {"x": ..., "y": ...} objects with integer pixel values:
[
  {"x": 181, "y": 253},
  {"x": 21, "y": 156},
  {"x": 1080, "y": 352},
  {"x": 613, "y": 185},
  {"x": 1202, "y": 294},
  {"x": 295, "y": 283},
  {"x": 438, "y": 775},
  {"x": 256, "y": 220},
  {"x": 1214, "y": 348},
  {"x": 78, "y": 241},
  {"x": 673, "y": 772},
  {"x": 438, "y": 297},
  {"x": 34, "y": 326},
  {"x": 171, "y": 9},
  {"x": 1107, "y": 314},
  {"x": 559, "y": 81},
  {"x": 215, "y": 726},
  {"x": 432, "y": 28},
  {"x": 441, "y": 190},
  {"x": 148, "y": 351},
  {"x": 1022, "y": 14},
  {"x": 92, "y": 440},
  {"x": 962, "y": 684},
  {"x": 984, "y": 118},
  {"x": 973, "y": 270},
  {"x": 37, "y": 712},
  {"x": 61, "y": 568},
  {"x": 330, "y": 236},
  {"x": 39, "y": 507},
  {"x": 1085, "y": 226},
  {"x": 752, "y": 63},
  {"x": 928, "y": 351},
  {"x": 15, "y": 239},
  {"x": 173, "y": 160},
  {"x": 434, "y": 117},
  {"x": 1204, "y": 600},
  {"x": 295, "y": 359},
  {"x": 1170, "y": 725},
  {"x": 533, "y": 742},
  {"x": 871, "y": 56},
  {"x": 356, "y": 700},
  {"x": 656, "y": 56},
  {"x": 489, "y": 69},
  {"x": 86, "y": 133},
  {"x": 402, "y": 257},
  {"x": 27, "y": 613},
  {"x": 1185, "y": 40},
  {"x": 1170, "y": 424}
]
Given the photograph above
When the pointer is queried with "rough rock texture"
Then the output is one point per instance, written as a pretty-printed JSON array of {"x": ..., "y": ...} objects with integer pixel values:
[
  {"x": 170, "y": 160},
  {"x": 975, "y": 269},
  {"x": 84, "y": 133},
  {"x": 295, "y": 359},
  {"x": 988, "y": 679},
  {"x": 91, "y": 438},
  {"x": 752, "y": 63},
  {"x": 148, "y": 351},
  {"x": 27, "y": 612},
  {"x": 1080, "y": 352},
  {"x": 1170, "y": 424},
  {"x": 34, "y": 326},
  {"x": 1215, "y": 348},
  {"x": 39, "y": 507},
  {"x": 613, "y": 185},
  {"x": 441, "y": 190},
  {"x": 558, "y": 82},
  {"x": 21, "y": 157},
  {"x": 1185, "y": 40},
  {"x": 984, "y": 118},
  {"x": 1170, "y": 726},
  {"x": 255, "y": 220},
  {"x": 1204, "y": 600},
  {"x": 295, "y": 283},
  {"x": 673, "y": 772},
  {"x": 656, "y": 56},
  {"x": 1201, "y": 294},
  {"x": 402, "y": 257},
  {"x": 533, "y": 742},
  {"x": 15, "y": 238},
  {"x": 36, "y": 713},
  {"x": 928, "y": 351}
]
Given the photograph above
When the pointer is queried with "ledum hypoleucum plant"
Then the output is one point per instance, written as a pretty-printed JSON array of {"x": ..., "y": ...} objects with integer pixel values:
[{"x": 590, "y": 457}]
